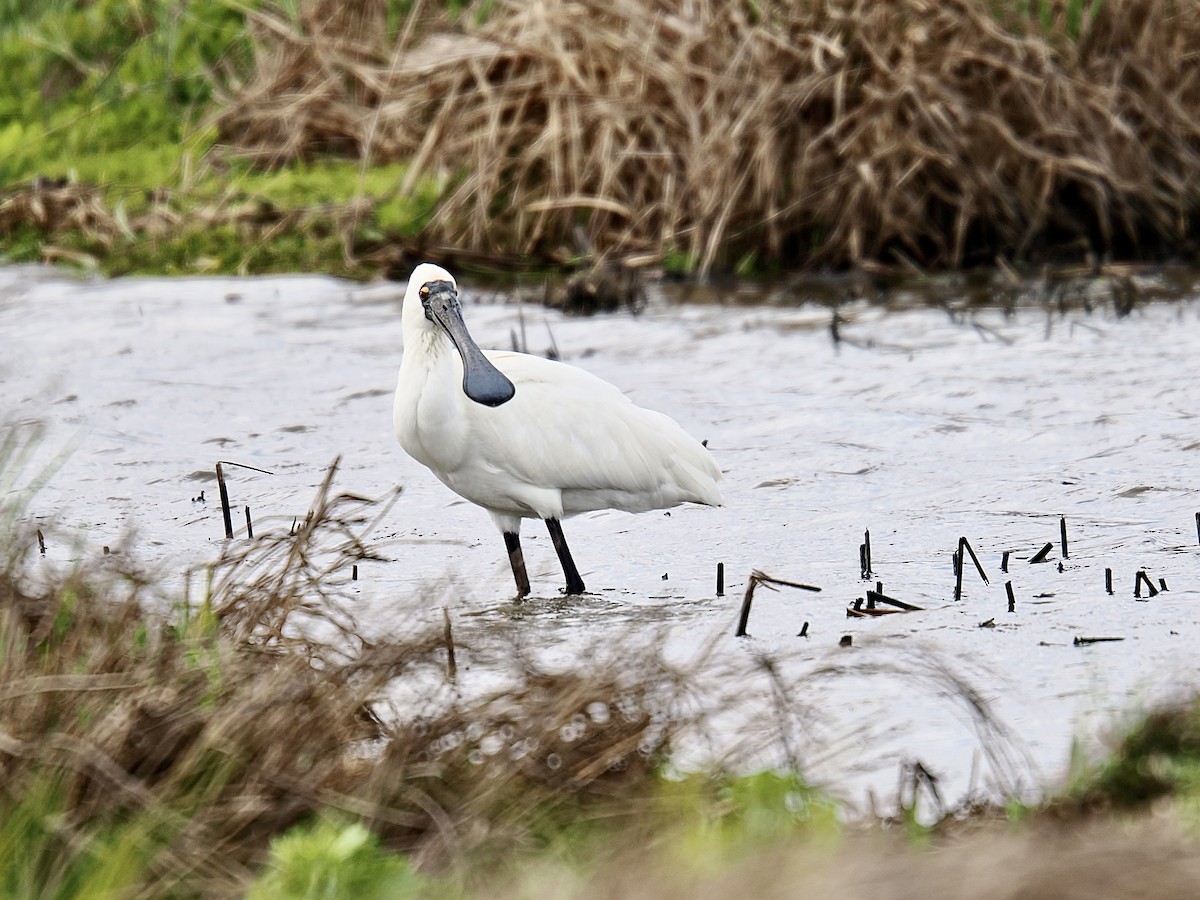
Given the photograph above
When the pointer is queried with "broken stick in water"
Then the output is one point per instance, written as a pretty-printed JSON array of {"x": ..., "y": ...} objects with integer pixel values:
[
  {"x": 1138, "y": 580},
  {"x": 1079, "y": 641},
  {"x": 1041, "y": 555},
  {"x": 856, "y": 610},
  {"x": 225, "y": 513},
  {"x": 757, "y": 578},
  {"x": 1062, "y": 532},
  {"x": 965, "y": 548},
  {"x": 224, "y": 502},
  {"x": 451, "y": 664},
  {"x": 1149, "y": 584},
  {"x": 963, "y": 542},
  {"x": 874, "y": 597},
  {"x": 958, "y": 567}
]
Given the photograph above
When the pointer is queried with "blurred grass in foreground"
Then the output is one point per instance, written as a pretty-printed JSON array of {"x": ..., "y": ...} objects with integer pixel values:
[{"x": 245, "y": 739}]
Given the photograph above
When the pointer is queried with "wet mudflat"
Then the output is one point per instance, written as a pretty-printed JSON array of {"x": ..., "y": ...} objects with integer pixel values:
[{"x": 922, "y": 425}]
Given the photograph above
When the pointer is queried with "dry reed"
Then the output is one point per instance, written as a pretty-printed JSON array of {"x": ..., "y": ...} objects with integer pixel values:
[
  {"x": 220, "y": 724},
  {"x": 807, "y": 133}
]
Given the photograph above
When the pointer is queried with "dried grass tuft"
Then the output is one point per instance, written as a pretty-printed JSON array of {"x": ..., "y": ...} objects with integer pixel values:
[{"x": 806, "y": 133}]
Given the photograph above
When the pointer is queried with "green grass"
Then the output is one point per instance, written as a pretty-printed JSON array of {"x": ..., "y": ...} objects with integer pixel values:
[
  {"x": 90, "y": 83},
  {"x": 1159, "y": 756},
  {"x": 330, "y": 859},
  {"x": 1046, "y": 15},
  {"x": 699, "y": 825},
  {"x": 38, "y": 860},
  {"x": 117, "y": 94}
]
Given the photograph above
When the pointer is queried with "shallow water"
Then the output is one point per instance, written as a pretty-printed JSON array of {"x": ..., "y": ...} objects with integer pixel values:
[{"x": 920, "y": 425}]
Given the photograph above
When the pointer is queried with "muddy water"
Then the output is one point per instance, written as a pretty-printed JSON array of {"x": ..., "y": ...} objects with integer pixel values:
[{"x": 920, "y": 425}]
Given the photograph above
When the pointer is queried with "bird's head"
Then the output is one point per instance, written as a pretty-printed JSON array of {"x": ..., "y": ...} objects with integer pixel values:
[{"x": 431, "y": 302}]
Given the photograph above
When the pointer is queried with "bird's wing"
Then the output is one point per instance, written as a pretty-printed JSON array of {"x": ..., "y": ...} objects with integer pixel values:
[{"x": 568, "y": 429}]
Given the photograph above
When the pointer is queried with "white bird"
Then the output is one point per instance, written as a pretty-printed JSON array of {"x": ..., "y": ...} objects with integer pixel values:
[{"x": 526, "y": 437}]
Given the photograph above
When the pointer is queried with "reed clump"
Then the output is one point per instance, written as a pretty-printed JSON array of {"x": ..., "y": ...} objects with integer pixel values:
[
  {"x": 191, "y": 734},
  {"x": 935, "y": 134}
]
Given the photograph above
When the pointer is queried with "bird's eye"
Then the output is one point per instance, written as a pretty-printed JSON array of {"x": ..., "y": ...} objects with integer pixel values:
[{"x": 424, "y": 292}]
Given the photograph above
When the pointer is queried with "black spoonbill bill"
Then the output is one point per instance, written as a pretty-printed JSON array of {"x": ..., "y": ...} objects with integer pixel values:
[{"x": 529, "y": 438}]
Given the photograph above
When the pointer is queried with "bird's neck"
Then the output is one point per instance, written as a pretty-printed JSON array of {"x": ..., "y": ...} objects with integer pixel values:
[
  {"x": 428, "y": 351},
  {"x": 426, "y": 341}
]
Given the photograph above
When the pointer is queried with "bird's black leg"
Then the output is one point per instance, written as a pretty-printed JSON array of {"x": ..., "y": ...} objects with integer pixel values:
[
  {"x": 516, "y": 558},
  {"x": 574, "y": 582}
]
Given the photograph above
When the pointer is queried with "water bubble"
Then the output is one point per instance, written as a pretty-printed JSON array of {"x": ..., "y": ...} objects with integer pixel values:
[{"x": 491, "y": 744}]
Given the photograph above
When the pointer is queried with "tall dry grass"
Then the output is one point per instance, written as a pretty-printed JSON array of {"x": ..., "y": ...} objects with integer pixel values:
[
  {"x": 211, "y": 726},
  {"x": 793, "y": 134}
]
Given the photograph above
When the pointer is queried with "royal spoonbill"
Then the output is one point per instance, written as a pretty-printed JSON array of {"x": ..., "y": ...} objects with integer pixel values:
[{"x": 529, "y": 438}]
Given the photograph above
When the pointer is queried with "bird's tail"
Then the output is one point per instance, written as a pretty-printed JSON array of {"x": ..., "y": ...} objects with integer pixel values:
[{"x": 698, "y": 475}]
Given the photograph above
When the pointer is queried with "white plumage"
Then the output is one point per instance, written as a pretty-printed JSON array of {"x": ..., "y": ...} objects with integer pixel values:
[{"x": 526, "y": 437}]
